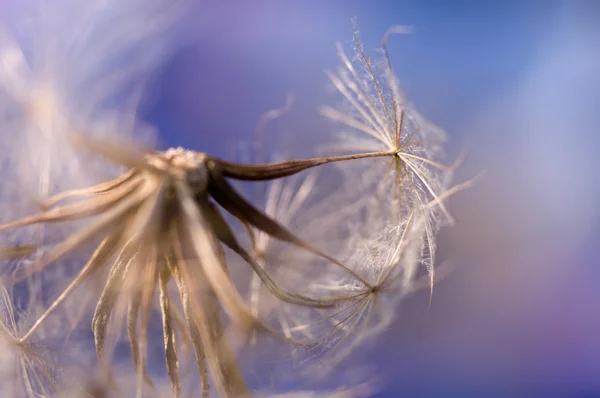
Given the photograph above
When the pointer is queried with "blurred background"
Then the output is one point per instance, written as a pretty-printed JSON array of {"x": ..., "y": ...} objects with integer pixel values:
[{"x": 517, "y": 84}]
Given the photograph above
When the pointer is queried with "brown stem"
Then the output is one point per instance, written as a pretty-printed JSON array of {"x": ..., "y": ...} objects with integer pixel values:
[{"x": 270, "y": 171}]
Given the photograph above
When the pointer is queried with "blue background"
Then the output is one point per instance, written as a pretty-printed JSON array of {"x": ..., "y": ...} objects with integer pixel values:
[{"x": 517, "y": 83}]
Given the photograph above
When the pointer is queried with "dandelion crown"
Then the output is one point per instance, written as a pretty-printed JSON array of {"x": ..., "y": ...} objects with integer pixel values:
[{"x": 166, "y": 236}]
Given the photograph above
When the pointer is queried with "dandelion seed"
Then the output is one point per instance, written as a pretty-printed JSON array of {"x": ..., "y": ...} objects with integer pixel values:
[
  {"x": 379, "y": 112},
  {"x": 159, "y": 233},
  {"x": 389, "y": 262},
  {"x": 26, "y": 369},
  {"x": 381, "y": 120},
  {"x": 160, "y": 220}
]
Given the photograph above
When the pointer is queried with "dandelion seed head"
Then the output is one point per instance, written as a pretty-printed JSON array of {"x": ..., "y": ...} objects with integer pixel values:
[{"x": 161, "y": 244}]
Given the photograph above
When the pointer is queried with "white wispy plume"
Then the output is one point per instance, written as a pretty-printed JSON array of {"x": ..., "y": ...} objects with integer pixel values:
[
  {"x": 26, "y": 368},
  {"x": 388, "y": 260},
  {"x": 69, "y": 66},
  {"x": 162, "y": 245},
  {"x": 409, "y": 176}
]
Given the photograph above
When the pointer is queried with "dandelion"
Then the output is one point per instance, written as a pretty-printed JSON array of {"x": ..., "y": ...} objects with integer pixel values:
[
  {"x": 159, "y": 223},
  {"x": 162, "y": 244}
]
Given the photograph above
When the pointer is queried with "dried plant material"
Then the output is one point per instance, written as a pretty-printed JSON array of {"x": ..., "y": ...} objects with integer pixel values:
[
  {"x": 283, "y": 202},
  {"x": 16, "y": 251},
  {"x": 164, "y": 233},
  {"x": 66, "y": 63},
  {"x": 26, "y": 370},
  {"x": 379, "y": 118},
  {"x": 389, "y": 260},
  {"x": 161, "y": 212}
]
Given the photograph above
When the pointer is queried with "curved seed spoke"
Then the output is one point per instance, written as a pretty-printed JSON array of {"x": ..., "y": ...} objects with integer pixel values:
[
  {"x": 235, "y": 204},
  {"x": 99, "y": 257},
  {"x": 205, "y": 246},
  {"x": 124, "y": 154},
  {"x": 104, "y": 309},
  {"x": 102, "y": 188},
  {"x": 226, "y": 363},
  {"x": 114, "y": 215},
  {"x": 149, "y": 282},
  {"x": 202, "y": 313},
  {"x": 179, "y": 319},
  {"x": 16, "y": 251},
  {"x": 74, "y": 211},
  {"x": 171, "y": 357},
  {"x": 225, "y": 235},
  {"x": 132, "y": 321},
  {"x": 196, "y": 338}
]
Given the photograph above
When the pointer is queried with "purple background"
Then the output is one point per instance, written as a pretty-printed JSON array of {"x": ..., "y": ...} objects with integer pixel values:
[{"x": 518, "y": 83}]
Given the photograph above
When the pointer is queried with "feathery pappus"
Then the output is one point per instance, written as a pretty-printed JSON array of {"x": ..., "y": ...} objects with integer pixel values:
[{"x": 158, "y": 239}]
